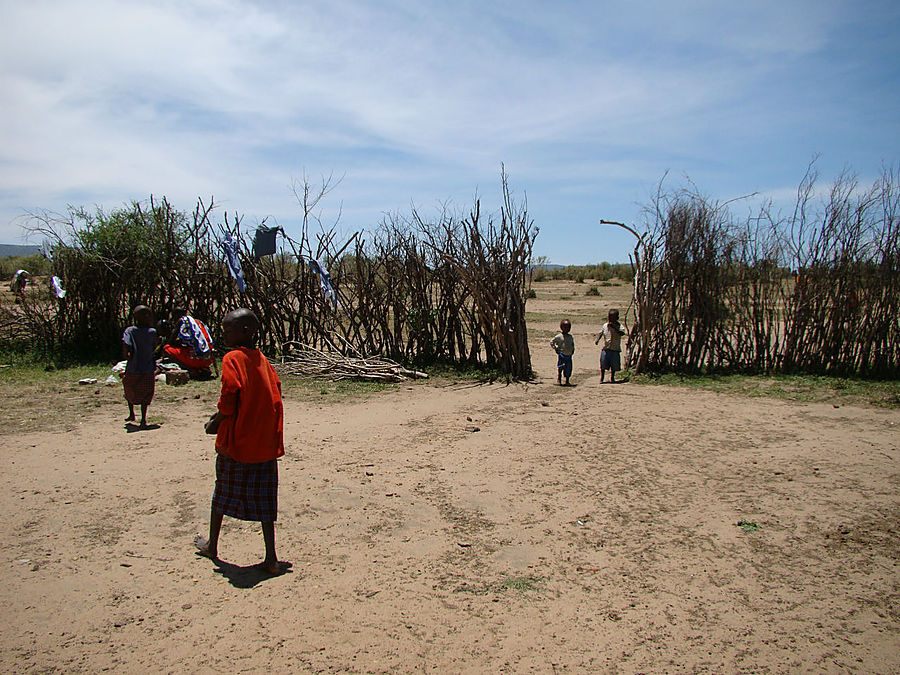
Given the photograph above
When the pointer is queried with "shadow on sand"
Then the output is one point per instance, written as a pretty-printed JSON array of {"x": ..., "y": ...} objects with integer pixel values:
[
  {"x": 131, "y": 427},
  {"x": 250, "y": 575}
]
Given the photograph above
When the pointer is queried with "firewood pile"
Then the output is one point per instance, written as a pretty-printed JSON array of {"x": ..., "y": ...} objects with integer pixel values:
[{"x": 305, "y": 361}]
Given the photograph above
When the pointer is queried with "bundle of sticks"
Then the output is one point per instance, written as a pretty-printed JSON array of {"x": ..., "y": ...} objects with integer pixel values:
[{"x": 305, "y": 361}]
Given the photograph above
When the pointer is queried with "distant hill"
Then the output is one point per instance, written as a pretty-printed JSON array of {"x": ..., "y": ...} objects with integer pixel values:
[{"x": 9, "y": 250}]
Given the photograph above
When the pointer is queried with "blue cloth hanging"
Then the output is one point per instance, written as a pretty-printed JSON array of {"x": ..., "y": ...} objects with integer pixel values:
[
  {"x": 264, "y": 241},
  {"x": 233, "y": 261},
  {"x": 324, "y": 281},
  {"x": 56, "y": 285}
]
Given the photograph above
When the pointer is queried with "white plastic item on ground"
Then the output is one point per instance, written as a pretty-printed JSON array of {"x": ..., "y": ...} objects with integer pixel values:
[
  {"x": 112, "y": 379},
  {"x": 88, "y": 380}
]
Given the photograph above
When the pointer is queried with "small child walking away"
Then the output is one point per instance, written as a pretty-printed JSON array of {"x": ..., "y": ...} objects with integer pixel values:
[
  {"x": 138, "y": 348},
  {"x": 611, "y": 354},
  {"x": 249, "y": 428},
  {"x": 564, "y": 345}
]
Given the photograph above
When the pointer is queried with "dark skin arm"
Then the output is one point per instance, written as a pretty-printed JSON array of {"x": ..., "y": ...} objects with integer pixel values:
[{"x": 212, "y": 425}]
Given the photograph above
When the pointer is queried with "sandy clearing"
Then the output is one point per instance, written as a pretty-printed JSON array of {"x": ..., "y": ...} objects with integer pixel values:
[{"x": 583, "y": 529}]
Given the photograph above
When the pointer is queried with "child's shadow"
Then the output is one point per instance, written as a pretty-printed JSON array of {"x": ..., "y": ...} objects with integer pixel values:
[
  {"x": 250, "y": 575},
  {"x": 131, "y": 427}
]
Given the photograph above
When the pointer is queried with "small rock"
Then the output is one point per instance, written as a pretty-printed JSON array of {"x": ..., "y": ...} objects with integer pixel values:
[{"x": 473, "y": 428}]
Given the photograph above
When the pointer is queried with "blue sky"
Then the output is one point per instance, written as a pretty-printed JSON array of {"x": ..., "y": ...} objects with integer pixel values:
[{"x": 587, "y": 104}]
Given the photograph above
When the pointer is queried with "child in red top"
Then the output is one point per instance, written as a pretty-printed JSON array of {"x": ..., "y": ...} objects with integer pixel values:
[{"x": 249, "y": 427}]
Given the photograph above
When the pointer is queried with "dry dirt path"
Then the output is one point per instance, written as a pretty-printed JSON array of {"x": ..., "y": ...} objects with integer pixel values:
[{"x": 582, "y": 529}]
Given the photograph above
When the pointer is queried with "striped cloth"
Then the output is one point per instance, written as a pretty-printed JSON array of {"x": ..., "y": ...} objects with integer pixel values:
[
  {"x": 194, "y": 334},
  {"x": 246, "y": 491}
]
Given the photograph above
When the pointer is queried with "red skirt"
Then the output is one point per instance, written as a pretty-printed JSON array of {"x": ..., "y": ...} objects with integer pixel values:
[
  {"x": 183, "y": 355},
  {"x": 139, "y": 387}
]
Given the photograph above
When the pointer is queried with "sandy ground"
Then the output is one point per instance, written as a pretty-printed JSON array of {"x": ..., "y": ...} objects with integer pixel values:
[{"x": 584, "y": 529}]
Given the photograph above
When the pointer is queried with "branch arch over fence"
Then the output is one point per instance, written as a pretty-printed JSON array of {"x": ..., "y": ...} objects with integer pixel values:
[{"x": 815, "y": 292}]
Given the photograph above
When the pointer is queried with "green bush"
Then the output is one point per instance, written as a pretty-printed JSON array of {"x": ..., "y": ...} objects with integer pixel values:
[{"x": 35, "y": 265}]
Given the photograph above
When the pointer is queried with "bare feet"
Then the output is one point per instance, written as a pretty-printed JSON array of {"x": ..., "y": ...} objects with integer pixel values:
[
  {"x": 203, "y": 548},
  {"x": 271, "y": 567}
]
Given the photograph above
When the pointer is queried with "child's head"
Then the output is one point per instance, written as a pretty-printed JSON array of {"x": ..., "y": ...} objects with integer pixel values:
[
  {"x": 178, "y": 312},
  {"x": 239, "y": 328},
  {"x": 143, "y": 317},
  {"x": 565, "y": 326},
  {"x": 613, "y": 316},
  {"x": 163, "y": 328}
]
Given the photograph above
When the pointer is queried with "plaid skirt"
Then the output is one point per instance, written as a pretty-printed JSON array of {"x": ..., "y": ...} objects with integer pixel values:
[
  {"x": 246, "y": 491},
  {"x": 139, "y": 387}
]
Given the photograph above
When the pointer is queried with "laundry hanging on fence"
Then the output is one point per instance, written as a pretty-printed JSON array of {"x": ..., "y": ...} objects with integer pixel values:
[
  {"x": 264, "y": 241},
  {"x": 233, "y": 261},
  {"x": 19, "y": 282},
  {"x": 57, "y": 287},
  {"x": 46, "y": 251},
  {"x": 324, "y": 281}
]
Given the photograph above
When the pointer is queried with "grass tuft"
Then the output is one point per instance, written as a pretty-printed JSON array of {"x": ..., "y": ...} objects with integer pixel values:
[
  {"x": 521, "y": 584},
  {"x": 800, "y": 388}
]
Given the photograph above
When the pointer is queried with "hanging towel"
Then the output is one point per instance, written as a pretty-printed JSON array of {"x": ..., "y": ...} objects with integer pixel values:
[
  {"x": 46, "y": 251},
  {"x": 56, "y": 285},
  {"x": 264, "y": 241},
  {"x": 234, "y": 261},
  {"x": 324, "y": 281},
  {"x": 19, "y": 281}
]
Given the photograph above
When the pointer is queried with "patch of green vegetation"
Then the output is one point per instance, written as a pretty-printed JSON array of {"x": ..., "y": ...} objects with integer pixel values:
[
  {"x": 467, "y": 372},
  {"x": 748, "y": 526},
  {"x": 521, "y": 584},
  {"x": 800, "y": 388},
  {"x": 327, "y": 391},
  {"x": 30, "y": 372},
  {"x": 34, "y": 398},
  {"x": 555, "y": 318},
  {"x": 34, "y": 263},
  {"x": 593, "y": 290}
]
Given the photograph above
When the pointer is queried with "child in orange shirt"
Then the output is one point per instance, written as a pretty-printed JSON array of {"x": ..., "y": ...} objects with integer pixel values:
[{"x": 249, "y": 428}]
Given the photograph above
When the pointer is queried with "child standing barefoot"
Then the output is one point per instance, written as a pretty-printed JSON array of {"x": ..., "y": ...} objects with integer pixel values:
[
  {"x": 610, "y": 356},
  {"x": 564, "y": 345},
  {"x": 138, "y": 345},
  {"x": 249, "y": 427}
]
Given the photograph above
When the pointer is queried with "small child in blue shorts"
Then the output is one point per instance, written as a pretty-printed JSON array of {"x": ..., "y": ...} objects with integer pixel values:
[
  {"x": 564, "y": 345},
  {"x": 610, "y": 356}
]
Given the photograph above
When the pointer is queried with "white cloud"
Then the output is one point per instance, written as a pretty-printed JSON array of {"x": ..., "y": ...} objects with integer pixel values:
[{"x": 586, "y": 103}]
